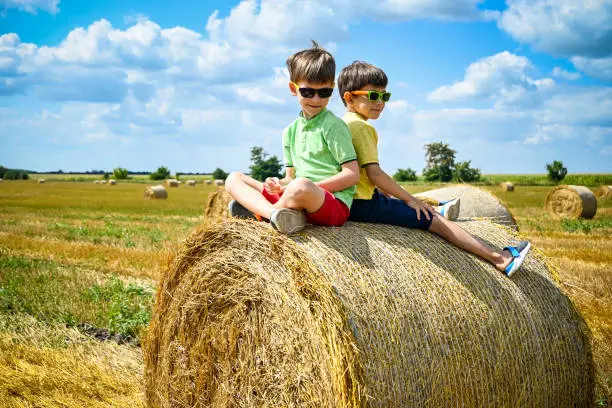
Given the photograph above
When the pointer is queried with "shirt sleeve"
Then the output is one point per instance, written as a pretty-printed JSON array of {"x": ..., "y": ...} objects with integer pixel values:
[
  {"x": 288, "y": 160},
  {"x": 340, "y": 143},
  {"x": 365, "y": 141}
]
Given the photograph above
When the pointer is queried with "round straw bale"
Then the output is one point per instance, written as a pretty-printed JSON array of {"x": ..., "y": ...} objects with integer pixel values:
[
  {"x": 219, "y": 182},
  {"x": 191, "y": 182},
  {"x": 41, "y": 181},
  {"x": 602, "y": 192},
  {"x": 507, "y": 186},
  {"x": 217, "y": 205},
  {"x": 154, "y": 192},
  {"x": 102, "y": 181},
  {"x": 172, "y": 183},
  {"x": 574, "y": 202},
  {"x": 112, "y": 182},
  {"x": 363, "y": 315},
  {"x": 475, "y": 204},
  {"x": 208, "y": 182},
  {"x": 96, "y": 182}
]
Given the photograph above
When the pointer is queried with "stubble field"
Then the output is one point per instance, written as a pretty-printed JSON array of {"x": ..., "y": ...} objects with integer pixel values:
[{"x": 79, "y": 264}]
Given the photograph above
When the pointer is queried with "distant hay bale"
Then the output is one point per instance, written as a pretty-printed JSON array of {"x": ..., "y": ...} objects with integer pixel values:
[
  {"x": 507, "y": 186},
  {"x": 475, "y": 204},
  {"x": 96, "y": 181},
  {"x": 363, "y": 315},
  {"x": 156, "y": 192},
  {"x": 112, "y": 182},
  {"x": 41, "y": 181},
  {"x": 102, "y": 181},
  {"x": 172, "y": 183},
  {"x": 219, "y": 182},
  {"x": 191, "y": 182},
  {"x": 602, "y": 192},
  {"x": 208, "y": 182},
  {"x": 574, "y": 202},
  {"x": 217, "y": 205}
]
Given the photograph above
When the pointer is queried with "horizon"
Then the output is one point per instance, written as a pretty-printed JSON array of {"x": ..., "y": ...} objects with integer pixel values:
[{"x": 510, "y": 85}]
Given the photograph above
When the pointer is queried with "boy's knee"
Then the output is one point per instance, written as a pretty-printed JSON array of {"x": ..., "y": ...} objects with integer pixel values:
[
  {"x": 232, "y": 179},
  {"x": 300, "y": 186}
]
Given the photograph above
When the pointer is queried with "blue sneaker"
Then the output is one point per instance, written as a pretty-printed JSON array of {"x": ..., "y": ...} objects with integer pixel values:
[
  {"x": 450, "y": 209},
  {"x": 239, "y": 211},
  {"x": 519, "y": 253}
]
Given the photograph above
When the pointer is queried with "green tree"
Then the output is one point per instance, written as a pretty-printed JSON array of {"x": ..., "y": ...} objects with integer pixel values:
[
  {"x": 405, "y": 175},
  {"x": 161, "y": 173},
  {"x": 219, "y": 174},
  {"x": 120, "y": 173},
  {"x": 556, "y": 171},
  {"x": 440, "y": 162},
  {"x": 464, "y": 173},
  {"x": 106, "y": 175},
  {"x": 15, "y": 175},
  {"x": 263, "y": 167}
]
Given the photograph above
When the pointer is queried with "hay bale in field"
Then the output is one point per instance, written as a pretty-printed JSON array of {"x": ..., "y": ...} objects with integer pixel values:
[
  {"x": 156, "y": 192},
  {"x": 602, "y": 192},
  {"x": 41, "y": 181},
  {"x": 475, "y": 204},
  {"x": 191, "y": 182},
  {"x": 172, "y": 183},
  {"x": 574, "y": 202},
  {"x": 363, "y": 315},
  {"x": 96, "y": 181},
  {"x": 217, "y": 205},
  {"x": 507, "y": 186},
  {"x": 102, "y": 181},
  {"x": 208, "y": 182},
  {"x": 219, "y": 182},
  {"x": 112, "y": 182}
]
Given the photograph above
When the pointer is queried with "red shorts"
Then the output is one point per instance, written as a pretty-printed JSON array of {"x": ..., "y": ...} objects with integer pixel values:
[{"x": 333, "y": 212}]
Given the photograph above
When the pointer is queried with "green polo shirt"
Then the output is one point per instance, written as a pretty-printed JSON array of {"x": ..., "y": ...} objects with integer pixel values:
[{"x": 318, "y": 147}]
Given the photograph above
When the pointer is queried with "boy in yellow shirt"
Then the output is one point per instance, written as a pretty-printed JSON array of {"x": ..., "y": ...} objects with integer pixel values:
[{"x": 363, "y": 88}]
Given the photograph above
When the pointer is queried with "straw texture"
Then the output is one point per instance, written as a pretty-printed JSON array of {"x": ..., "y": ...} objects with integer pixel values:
[
  {"x": 156, "y": 192},
  {"x": 475, "y": 204},
  {"x": 603, "y": 192},
  {"x": 363, "y": 315},
  {"x": 217, "y": 205},
  {"x": 507, "y": 186},
  {"x": 571, "y": 202}
]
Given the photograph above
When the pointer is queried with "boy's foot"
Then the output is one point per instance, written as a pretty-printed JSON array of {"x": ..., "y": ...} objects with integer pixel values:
[
  {"x": 518, "y": 253},
  {"x": 239, "y": 211},
  {"x": 450, "y": 209},
  {"x": 287, "y": 220}
]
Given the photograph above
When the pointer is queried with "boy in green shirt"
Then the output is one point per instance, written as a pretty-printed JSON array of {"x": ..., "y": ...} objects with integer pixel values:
[
  {"x": 321, "y": 165},
  {"x": 363, "y": 88}
]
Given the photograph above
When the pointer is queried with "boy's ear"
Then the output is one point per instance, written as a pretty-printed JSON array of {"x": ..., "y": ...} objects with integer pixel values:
[
  {"x": 293, "y": 89},
  {"x": 348, "y": 97}
]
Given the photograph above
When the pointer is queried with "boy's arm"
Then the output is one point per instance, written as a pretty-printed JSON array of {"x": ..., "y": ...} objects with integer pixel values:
[
  {"x": 348, "y": 177},
  {"x": 289, "y": 176},
  {"x": 384, "y": 182}
]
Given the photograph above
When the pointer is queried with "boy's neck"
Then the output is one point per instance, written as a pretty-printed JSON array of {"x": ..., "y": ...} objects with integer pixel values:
[
  {"x": 310, "y": 117},
  {"x": 350, "y": 109}
]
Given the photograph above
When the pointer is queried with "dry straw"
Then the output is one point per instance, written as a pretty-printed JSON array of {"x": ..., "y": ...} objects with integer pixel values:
[
  {"x": 217, "y": 205},
  {"x": 156, "y": 192},
  {"x": 191, "y": 182},
  {"x": 112, "y": 182},
  {"x": 363, "y": 315},
  {"x": 571, "y": 202},
  {"x": 208, "y": 182},
  {"x": 172, "y": 183},
  {"x": 603, "y": 192},
  {"x": 41, "y": 181},
  {"x": 219, "y": 182},
  {"x": 507, "y": 186},
  {"x": 475, "y": 204}
]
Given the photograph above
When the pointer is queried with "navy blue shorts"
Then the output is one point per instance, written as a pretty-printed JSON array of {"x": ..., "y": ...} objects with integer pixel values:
[{"x": 384, "y": 210}]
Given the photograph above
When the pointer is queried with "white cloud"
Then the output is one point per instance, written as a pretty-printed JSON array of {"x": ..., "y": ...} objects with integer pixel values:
[
  {"x": 503, "y": 77},
  {"x": 597, "y": 67},
  {"x": 560, "y": 72},
  {"x": 402, "y": 10},
  {"x": 30, "y": 6}
]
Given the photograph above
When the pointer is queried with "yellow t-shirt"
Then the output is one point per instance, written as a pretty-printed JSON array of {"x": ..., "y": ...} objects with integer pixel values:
[{"x": 365, "y": 141}]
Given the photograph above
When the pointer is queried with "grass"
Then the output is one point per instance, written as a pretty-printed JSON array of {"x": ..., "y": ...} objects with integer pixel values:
[{"x": 79, "y": 264}]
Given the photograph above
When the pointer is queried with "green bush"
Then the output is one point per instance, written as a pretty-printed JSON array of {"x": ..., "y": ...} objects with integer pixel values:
[
  {"x": 405, "y": 175},
  {"x": 219, "y": 174},
  {"x": 120, "y": 173},
  {"x": 16, "y": 175},
  {"x": 556, "y": 171},
  {"x": 464, "y": 173},
  {"x": 262, "y": 168},
  {"x": 161, "y": 173}
]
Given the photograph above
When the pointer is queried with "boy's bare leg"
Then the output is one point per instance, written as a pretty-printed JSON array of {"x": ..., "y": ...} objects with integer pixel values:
[
  {"x": 247, "y": 191},
  {"x": 466, "y": 241},
  {"x": 302, "y": 194}
]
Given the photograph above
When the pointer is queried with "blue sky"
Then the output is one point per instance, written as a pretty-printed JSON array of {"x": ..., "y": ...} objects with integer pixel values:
[{"x": 193, "y": 85}]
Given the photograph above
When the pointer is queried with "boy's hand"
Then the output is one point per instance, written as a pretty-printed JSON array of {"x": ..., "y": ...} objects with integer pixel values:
[
  {"x": 272, "y": 185},
  {"x": 420, "y": 206}
]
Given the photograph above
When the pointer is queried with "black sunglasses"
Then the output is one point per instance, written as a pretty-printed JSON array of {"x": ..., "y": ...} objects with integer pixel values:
[{"x": 308, "y": 93}]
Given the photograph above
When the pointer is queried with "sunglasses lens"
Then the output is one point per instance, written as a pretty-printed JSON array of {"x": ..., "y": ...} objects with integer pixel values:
[
  {"x": 373, "y": 96},
  {"x": 307, "y": 92},
  {"x": 386, "y": 96},
  {"x": 325, "y": 92}
]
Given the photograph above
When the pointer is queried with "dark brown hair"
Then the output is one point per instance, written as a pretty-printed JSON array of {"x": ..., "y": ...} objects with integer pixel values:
[
  {"x": 359, "y": 74},
  {"x": 313, "y": 64}
]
